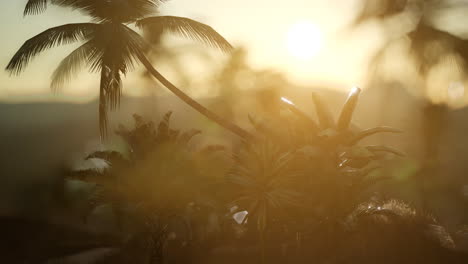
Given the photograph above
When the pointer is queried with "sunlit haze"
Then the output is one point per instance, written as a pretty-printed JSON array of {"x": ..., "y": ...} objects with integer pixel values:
[
  {"x": 304, "y": 40},
  {"x": 287, "y": 37}
]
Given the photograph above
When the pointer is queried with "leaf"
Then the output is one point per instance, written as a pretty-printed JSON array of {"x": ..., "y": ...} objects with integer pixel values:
[
  {"x": 52, "y": 37},
  {"x": 369, "y": 132},
  {"x": 113, "y": 10},
  {"x": 110, "y": 91},
  {"x": 187, "y": 28},
  {"x": 185, "y": 138},
  {"x": 386, "y": 149},
  {"x": 358, "y": 152},
  {"x": 329, "y": 133},
  {"x": 323, "y": 113},
  {"x": 348, "y": 109},
  {"x": 34, "y": 7},
  {"x": 71, "y": 65}
]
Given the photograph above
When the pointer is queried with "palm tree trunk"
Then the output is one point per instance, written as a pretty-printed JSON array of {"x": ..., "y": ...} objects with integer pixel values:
[{"x": 194, "y": 104}]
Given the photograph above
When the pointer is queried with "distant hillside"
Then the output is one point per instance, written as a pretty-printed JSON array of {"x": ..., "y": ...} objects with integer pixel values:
[{"x": 37, "y": 138}]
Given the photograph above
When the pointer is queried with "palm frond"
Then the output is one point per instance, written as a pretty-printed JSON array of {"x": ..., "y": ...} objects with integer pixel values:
[
  {"x": 117, "y": 47},
  {"x": 110, "y": 92},
  {"x": 187, "y": 136},
  {"x": 163, "y": 127},
  {"x": 117, "y": 50},
  {"x": 385, "y": 149},
  {"x": 113, "y": 10},
  {"x": 348, "y": 109},
  {"x": 88, "y": 175},
  {"x": 185, "y": 27},
  {"x": 425, "y": 37},
  {"x": 70, "y": 66},
  {"x": 323, "y": 113},
  {"x": 380, "y": 9},
  {"x": 34, "y": 7},
  {"x": 52, "y": 37},
  {"x": 102, "y": 107},
  {"x": 369, "y": 132}
]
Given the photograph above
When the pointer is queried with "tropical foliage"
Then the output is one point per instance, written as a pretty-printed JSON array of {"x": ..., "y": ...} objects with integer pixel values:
[
  {"x": 429, "y": 42},
  {"x": 159, "y": 183},
  {"x": 111, "y": 48}
]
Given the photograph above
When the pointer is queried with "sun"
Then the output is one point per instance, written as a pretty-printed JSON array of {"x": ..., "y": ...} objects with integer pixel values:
[{"x": 304, "y": 40}]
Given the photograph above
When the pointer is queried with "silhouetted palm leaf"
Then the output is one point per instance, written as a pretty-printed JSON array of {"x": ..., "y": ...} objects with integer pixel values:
[
  {"x": 113, "y": 10},
  {"x": 371, "y": 131},
  {"x": 70, "y": 66},
  {"x": 379, "y": 148},
  {"x": 114, "y": 48},
  {"x": 48, "y": 39},
  {"x": 348, "y": 109},
  {"x": 424, "y": 36},
  {"x": 323, "y": 113},
  {"x": 163, "y": 127},
  {"x": 187, "y": 136},
  {"x": 34, "y": 7},
  {"x": 264, "y": 176},
  {"x": 185, "y": 27}
]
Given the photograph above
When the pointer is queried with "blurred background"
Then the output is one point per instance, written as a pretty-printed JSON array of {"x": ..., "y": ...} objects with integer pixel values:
[{"x": 408, "y": 56}]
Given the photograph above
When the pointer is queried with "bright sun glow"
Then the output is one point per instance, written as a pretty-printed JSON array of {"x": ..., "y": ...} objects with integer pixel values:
[{"x": 304, "y": 40}]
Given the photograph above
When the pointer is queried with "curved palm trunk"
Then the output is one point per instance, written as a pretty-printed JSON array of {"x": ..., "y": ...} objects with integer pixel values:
[{"x": 197, "y": 106}]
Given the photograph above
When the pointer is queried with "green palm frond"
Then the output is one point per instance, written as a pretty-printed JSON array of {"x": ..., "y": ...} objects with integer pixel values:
[
  {"x": 52, "y": 37},
  {"x": 185, "y": 27},
  {"x": 34, "y": 7}
]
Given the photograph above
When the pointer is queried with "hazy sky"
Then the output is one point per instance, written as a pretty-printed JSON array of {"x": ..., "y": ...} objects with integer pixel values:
[{"x": 260, "y": 25}]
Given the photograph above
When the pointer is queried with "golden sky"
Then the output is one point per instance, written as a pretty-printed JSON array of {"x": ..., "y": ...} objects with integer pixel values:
[{"x": 261, "y": 26}]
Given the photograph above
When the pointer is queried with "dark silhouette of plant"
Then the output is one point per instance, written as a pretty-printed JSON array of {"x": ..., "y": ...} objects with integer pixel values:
[
  {"x": 337, "y": 172},
  {"x": 263, "y": 180},
  {"x": 112, "y": 48},
  {"x": 393, "y": 232},
  {"x": 341, "y": 159},
  {"x": 299, "y": 171},
  {"x": 429, "y": 44},
  {"x": 162, "y": 179}
]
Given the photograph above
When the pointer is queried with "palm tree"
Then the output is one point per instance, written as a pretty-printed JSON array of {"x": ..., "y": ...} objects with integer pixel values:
[
  {"x": 263, "y": 178},
  {"x": 112, "y": 48},
  {"x": 159, "y": 157},
  {"x": 429, "y": 46},
  {"x": 424, "y": 35}
]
